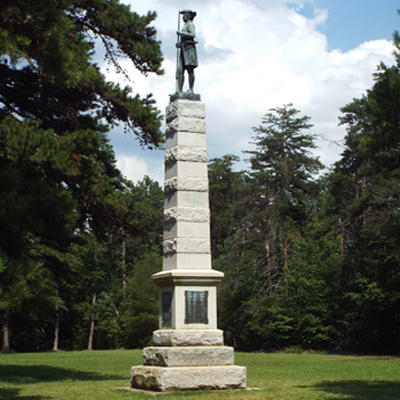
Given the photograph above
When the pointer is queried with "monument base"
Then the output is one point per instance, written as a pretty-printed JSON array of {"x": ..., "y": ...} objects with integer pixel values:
[
  {"x": 188, "y": 360},
  {"x": 163, "y": 379}
]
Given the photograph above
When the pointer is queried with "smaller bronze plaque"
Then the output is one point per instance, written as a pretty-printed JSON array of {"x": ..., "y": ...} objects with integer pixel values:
[
  {"x": 166, "y": 309},
  {"x": 196, "y": 307}
]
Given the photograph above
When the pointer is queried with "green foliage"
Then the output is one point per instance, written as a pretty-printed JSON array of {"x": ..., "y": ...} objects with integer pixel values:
[
  {"x": 224, "y": 187},
  {"x": 282, "y": 169},
  {"x": 47, "y": 70},
  {"x": 315, "y": 263},
  {"x": 315, "y": 291},
  {"x": 140, "y": 304},
  {"x": 62, "y": 200},
  {"x": 267, "y": 215},
  {"x": 368, "y": 176}
]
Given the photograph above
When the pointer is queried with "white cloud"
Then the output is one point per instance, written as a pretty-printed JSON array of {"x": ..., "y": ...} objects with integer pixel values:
[
  {"x": 135, "y": 168},
  {"x": 132, "y": 168},
  {"x": 255, "y": 55}
]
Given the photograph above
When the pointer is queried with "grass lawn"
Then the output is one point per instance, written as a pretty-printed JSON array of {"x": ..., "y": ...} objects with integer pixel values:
[{"x": 97, "y": 375}]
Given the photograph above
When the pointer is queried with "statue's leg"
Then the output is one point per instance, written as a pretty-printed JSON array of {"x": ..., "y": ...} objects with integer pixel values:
[
  {"x": 191, "y": 78},
  {"x": 181, "y": 80},
  {"x": 180, "y": 73}
]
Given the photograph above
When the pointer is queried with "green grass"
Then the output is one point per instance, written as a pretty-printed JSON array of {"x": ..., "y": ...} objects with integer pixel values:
[{"x": 97, "y": 375}]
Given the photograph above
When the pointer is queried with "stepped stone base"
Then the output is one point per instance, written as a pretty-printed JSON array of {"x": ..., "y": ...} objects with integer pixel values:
[{"x": 188, "y": 378}]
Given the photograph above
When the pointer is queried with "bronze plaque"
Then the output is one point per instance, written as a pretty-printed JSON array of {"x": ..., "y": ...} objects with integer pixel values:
[
  {"x": 196, "y": 307},
  {"x": 166, "y": 309}
]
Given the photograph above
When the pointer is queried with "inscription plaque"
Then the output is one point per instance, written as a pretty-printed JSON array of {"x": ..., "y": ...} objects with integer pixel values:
[
  {"x": 196, "y": 307},
  {"x": 166, "y": 309}
]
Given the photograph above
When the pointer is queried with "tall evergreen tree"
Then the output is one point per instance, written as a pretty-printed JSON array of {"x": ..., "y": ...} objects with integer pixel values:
[
  {"x": 282, "y": 170},
  {"x": 225, "y": 186},
  {"x": 271, "y": 206},
  {"x": 57, "y": 169}
]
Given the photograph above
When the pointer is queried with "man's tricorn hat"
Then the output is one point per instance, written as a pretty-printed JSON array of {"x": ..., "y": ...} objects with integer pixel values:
[{"x": 192, "y": 13}]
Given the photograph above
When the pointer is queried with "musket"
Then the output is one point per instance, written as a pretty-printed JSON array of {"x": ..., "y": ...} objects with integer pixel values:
[{"x": 177, "y": 53}]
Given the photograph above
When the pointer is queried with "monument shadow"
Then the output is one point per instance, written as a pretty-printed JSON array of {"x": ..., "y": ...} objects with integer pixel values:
[
  {"x": 361, "y": 390},
  {"x": 21, "y": 374},
  {"x": 13, "y": 394}
]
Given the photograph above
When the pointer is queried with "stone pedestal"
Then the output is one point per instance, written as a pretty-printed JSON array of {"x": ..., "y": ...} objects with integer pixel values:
[{"x": 188, "y": 351}]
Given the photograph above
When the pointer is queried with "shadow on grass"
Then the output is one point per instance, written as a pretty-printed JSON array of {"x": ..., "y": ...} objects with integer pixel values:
[
  {"x": 13, "y": 394},
  {"x": 362, "y": 390},
  {"x": 44, "y": 373}
]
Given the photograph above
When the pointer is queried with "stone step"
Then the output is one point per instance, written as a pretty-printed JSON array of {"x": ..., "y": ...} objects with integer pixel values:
[
  {"x": 188, "y": 378},
  {"x": 180, "y": 337},
  {"x": 188, "y": 356}
]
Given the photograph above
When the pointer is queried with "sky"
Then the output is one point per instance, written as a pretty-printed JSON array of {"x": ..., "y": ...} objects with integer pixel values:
[{"x": 255, "y": 55}]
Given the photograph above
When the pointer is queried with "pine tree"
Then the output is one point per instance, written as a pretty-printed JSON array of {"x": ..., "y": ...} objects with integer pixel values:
[
  {"x": 58, "y": 175},
  {"x": 225, "y": 186},
  {"x": 282, "y": 170}
]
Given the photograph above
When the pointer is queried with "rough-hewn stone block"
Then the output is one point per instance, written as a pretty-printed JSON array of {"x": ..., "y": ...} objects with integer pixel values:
[
  {"x": 185, "y": 108},
  {"x": 188, "y": 356},
  {"x": 186, "y": 153},
  {"x": 186, "y": 183},
  {"x": 188, "y": 378},
  {"x": 186, "y": 124},
  {"x": 211, "y": 337}
]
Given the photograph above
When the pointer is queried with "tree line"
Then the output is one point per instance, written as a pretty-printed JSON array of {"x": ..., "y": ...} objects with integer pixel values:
[{"x": 311, "y": 260}]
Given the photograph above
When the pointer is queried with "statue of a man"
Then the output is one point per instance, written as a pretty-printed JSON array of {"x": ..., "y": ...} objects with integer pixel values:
[{"x": 187, "y": 59}]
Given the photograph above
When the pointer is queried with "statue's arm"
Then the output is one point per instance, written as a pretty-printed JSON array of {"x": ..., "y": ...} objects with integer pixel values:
[{"x": 188, "y": 30}]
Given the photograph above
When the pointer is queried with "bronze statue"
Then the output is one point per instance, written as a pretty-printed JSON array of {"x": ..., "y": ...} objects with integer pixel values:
[{"x": 187, "y": 53}]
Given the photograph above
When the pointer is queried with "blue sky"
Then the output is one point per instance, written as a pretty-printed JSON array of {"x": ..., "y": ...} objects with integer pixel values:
[
  {"x": 352, "y": 22},
  {"x": 259, "y": 54}
]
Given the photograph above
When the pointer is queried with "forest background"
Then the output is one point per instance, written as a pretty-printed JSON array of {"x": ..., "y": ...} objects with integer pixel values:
[{"x": 311, "y": 260}]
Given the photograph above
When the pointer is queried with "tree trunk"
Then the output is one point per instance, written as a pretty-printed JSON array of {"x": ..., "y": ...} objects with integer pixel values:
[
  {"x": 91, "y": 332},
  {"x": 94, "y": 298},
  {"x": 285, "y": 259},
  {"x": 269, "y": 265},
  {"x": 363, "y": 190},
  {"x": 56, "y": 330},
  {"x": 56, "y": 325},
  {"x": 123, "y": 261},
  {"x": 342, "y": 233},
  {"x": 6, "y": 334},
  {"x": 285, "y": 180}
]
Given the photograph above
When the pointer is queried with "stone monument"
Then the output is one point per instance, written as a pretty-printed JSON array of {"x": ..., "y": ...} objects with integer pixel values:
[{"x": 188, "y": 351}]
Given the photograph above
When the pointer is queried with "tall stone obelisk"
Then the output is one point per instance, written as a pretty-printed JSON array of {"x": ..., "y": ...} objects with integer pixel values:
[{"x": 188, "y": 351}]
